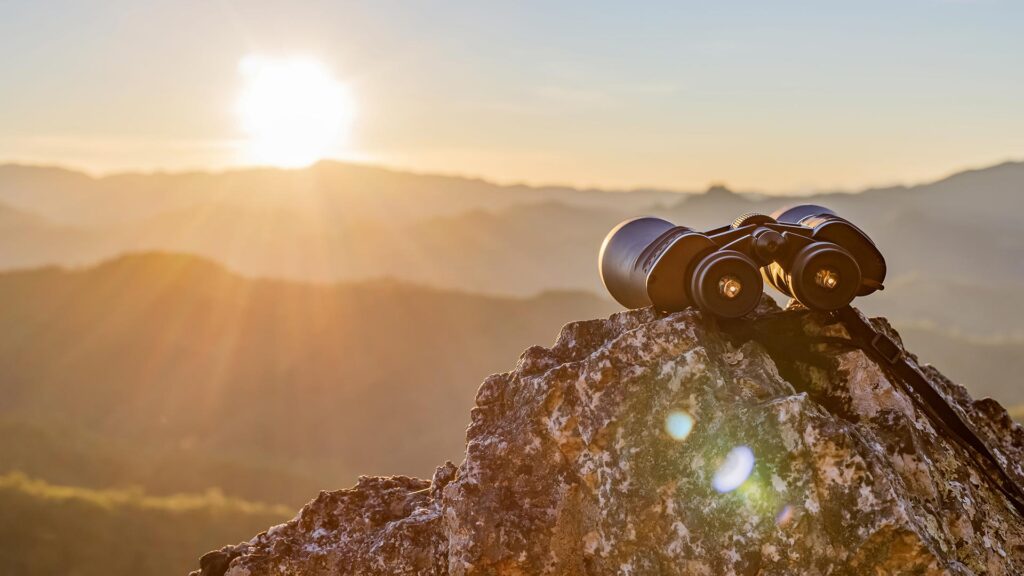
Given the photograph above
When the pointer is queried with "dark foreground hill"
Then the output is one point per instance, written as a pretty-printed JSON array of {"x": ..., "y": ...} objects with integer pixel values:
[
  {"x": 652, "y": 444},
  {"x": 173, "y": 373}
]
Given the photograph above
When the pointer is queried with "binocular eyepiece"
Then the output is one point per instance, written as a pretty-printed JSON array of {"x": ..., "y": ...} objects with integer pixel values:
[{"x": 806, "y": 252}]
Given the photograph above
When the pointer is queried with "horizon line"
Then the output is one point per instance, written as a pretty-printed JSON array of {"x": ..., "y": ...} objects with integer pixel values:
[{"x": 500, "y": 183}]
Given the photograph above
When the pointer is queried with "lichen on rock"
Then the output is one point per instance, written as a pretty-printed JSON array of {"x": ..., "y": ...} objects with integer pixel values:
[{"x": 668, "y": 444}]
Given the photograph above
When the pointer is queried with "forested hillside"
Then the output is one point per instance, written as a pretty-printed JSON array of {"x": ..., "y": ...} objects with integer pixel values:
[{"x": 47, "y": 529}]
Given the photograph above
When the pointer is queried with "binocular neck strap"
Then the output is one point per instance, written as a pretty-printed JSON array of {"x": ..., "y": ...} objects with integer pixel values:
[{"x": 887, "y": 354}]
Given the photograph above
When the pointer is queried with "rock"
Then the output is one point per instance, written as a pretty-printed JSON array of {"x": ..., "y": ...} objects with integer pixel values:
[{"x": 668, "y": 444}]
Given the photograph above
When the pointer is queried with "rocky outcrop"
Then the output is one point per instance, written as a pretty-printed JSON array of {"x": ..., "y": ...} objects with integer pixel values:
[{"x": 669, "y": 444}]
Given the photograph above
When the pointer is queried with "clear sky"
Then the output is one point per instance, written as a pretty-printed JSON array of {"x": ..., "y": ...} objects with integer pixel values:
[{"x": 778, "y": 96}]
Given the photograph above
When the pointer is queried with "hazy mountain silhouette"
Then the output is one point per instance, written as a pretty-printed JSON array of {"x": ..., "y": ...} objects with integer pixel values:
[{"x": 334, "y": 190}]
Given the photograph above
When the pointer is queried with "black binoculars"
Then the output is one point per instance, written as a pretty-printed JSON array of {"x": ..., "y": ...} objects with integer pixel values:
[{"x": 806, "y": 252}]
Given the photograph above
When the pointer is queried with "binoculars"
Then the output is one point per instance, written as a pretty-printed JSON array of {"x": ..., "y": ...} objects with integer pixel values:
[{"x": 806, "y": 252}]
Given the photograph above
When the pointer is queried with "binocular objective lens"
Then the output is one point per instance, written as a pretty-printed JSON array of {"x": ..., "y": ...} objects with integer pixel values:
[
  {"x": 730, "y": 286},
  {"x": 726, "y": 283},
  {"x": 823, "y": 276},
  {"x": 827, "y": 278}
]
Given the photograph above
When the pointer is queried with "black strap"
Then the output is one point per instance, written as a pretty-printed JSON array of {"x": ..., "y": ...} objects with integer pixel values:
[
  {"x": 776, "y": 329},
  {"x": 887, "y": 354}
]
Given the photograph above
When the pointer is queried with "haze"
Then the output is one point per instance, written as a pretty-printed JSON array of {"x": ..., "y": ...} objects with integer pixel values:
[{"x": 781, "y": 97}]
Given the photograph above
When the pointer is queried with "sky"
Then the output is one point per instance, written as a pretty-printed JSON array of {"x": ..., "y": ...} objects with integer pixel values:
[{"x": 774, "y": 96}]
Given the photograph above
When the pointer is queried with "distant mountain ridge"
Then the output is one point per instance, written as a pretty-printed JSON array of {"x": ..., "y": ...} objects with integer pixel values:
[
  {"x": 52, "y": 190},
  {"x": 74, "y": 197}
]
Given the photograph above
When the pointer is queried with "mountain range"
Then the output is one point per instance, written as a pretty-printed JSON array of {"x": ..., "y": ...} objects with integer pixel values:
[{"x": 955, "y": 246}]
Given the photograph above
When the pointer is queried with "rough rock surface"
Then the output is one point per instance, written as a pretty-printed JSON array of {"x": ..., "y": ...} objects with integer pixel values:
[{"x": 576, "y": 464}]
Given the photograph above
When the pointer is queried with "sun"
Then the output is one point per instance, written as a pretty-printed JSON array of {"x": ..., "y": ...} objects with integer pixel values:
[{"x": 293, "y": 111}]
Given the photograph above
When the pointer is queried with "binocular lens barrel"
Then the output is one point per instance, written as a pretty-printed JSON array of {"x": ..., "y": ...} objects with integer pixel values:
[
  {"x": 621, "y": 261},
  {"x": 807, "y": 252},
  {"x": 800, "y": 213},
  {"x": 650, "y": 261}
]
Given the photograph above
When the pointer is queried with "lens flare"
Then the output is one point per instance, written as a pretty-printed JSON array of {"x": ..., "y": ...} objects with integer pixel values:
[
  {"x": 785, "y": 516},
  {"x": 738, "y": 465},
  {"x": 679, "y": 424}
]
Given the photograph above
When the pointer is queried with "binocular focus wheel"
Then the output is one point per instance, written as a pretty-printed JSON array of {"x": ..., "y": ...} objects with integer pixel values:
[
  {"x": 726, "y": 283},
  {"x": 752, "y": 218},
  {"x": 824, "y": 277}
]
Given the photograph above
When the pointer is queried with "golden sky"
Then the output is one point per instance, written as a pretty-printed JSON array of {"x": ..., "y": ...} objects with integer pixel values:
[{"x": 781, "y": 96}]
